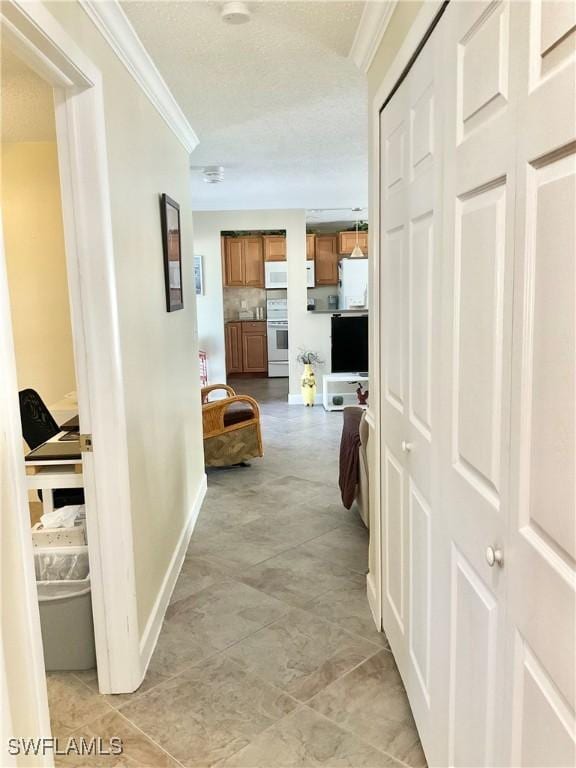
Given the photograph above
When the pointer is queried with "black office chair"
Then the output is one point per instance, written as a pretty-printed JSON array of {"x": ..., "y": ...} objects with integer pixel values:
[{"x": 38, "y": 426}]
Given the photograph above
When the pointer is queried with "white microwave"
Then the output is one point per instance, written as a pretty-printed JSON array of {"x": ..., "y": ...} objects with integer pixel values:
[
  {"x": 276, "y": 274},
  {"x": 310, "y": 273}
]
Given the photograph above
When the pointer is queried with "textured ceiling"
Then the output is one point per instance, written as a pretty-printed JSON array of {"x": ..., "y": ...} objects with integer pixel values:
[
  {"x": 27, "y": 107},
  {"x": 275, "y": 101}
]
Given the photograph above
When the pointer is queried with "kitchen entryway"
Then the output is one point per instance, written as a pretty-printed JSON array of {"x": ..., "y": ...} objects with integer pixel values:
[{"x": 269, "y": 655}]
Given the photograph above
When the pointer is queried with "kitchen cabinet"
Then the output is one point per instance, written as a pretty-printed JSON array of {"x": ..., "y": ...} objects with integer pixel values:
[
  {"x": 233, "y": 343},
  {"x": 253, "y": 261},
  {"x": 233, "y": 262},
  {"x": 327, "y": 259},
  {"x": 254, "y": 347},
  {"x": 347, "y": 241},
  {"x": 310, "y": 247},
  {"x": 246, "y": 347},
  {"x": 243, "y": 262},
  {"x": 274, "y": 247}
]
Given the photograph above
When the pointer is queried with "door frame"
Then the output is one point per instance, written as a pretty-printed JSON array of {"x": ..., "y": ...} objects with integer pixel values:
[
  {"x": 401, "y": 63},
  {"x": 35, "y": 35}
]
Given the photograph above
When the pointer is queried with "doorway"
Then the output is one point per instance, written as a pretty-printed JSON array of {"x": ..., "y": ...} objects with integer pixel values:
[
  {"x": 32, "y": 36},
  {"x": 43, "y": 340}
]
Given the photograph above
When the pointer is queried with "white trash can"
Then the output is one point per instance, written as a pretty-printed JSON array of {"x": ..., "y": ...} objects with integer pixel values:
[{"x": 64, "y": 597}]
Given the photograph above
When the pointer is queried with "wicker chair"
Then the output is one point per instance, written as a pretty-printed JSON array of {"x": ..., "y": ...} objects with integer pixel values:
[{"x": 231, "y": 428}]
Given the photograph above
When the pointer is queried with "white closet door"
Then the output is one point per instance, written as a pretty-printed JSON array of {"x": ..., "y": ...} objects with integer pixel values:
[
  {"x": 411, "y": 187},
  {"x": 479, "y": 198},
  {"x": 541, "y": 554}
]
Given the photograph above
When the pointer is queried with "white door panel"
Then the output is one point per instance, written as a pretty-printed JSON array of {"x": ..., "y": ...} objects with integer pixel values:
[
  {"x": 474, "y": 623},
  {"x": 410, "y": 303},
  {"x": 542, "y": 532},
  {"x": 478, "y": 200}
]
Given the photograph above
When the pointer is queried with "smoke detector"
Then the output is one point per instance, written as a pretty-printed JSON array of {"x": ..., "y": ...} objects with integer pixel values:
[
  {"x": 235, "y": 12},
  {"x": 213, "y": 174}
]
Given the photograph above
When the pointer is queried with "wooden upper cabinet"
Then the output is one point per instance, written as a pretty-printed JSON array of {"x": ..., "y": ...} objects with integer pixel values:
[
  {"x": 243, "y": 261},
  {"x": 233, "y": 261},
  {"x": 233, "y": 339},
  {"x": 274, "y": 247},
  {"x": 347, "y": 241},
  {"x": 253, "y": 262},
  {"x": 310, "y": 246},
  {"x": 326, "y": 259}
]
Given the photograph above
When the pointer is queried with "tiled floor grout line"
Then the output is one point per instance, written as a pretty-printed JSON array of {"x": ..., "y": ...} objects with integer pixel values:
[
  {"x": 296, "y": 546},
  {"x": 356, "y": 736},
  {"x": 219, "y": 652},
  {"x": 147, "y": 735},
  {"x": 289, "y": 607},
  {"x": 345, "y": 674}
]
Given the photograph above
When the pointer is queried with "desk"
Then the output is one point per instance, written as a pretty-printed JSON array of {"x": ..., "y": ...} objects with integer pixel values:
[
  {"x": 65, "y": 408},
  {"x": 53, "y": 472}
]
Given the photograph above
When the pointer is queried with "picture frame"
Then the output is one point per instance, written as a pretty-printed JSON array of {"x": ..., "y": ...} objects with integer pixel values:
[
  {"x": 172, "y": 250},
  {"x": 199, "y": 275}
]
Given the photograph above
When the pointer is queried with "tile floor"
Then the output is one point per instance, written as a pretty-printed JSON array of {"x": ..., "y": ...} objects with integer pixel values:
[{"x": 268, "y": 657}]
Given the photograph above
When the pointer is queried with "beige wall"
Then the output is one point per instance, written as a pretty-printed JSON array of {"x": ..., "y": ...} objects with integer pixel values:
[
  {"x": 36, "y": 264},
  {"x": 159, "y": 349}
]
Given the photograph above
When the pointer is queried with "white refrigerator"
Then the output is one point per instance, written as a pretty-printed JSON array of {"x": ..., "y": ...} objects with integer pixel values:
[{"x": 353, "y": 284}]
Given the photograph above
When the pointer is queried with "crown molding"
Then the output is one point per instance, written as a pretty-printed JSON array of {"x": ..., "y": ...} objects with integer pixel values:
[
  {"x": 113, "y": 24},
  {"x": 373, "y": 23}
]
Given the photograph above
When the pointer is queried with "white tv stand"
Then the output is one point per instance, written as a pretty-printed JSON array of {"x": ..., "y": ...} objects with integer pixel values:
[{"x": 349, "y": 398}]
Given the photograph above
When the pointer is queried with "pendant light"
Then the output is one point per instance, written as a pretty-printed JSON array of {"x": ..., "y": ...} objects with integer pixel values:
[{"x": 357, "y": 252}]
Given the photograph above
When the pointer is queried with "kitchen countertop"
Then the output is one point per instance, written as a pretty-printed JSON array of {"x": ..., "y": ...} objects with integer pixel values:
[
  {"x": 254, "y": 320},
  {"x": 337, "y": 311}
]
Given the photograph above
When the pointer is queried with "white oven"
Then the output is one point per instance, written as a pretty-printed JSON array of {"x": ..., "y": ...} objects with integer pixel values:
[
  {"x": 276, "y": 274},
  {"x": 277, "y": 330},
  {"x": 277, "y": 347}
]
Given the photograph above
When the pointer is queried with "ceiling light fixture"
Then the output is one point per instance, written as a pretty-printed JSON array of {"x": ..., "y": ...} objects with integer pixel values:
[
  {"x": 357, "y": 252},
  {"x": 213, "y": 174},
  {"x": 235, "y": 12}
]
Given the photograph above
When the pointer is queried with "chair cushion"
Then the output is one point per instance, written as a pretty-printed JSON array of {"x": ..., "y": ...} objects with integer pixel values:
[{"x": 236, "y": 413}]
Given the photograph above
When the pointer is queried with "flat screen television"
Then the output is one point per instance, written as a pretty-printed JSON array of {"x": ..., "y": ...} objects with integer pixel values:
[{"x": 350, "y": 344}]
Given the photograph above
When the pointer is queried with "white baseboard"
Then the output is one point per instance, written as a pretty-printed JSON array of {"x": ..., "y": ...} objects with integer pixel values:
[
  {"x": 298, "y": 399},
  {"x": 154, "y": 624},
  {"x": 373, "y": 601}
]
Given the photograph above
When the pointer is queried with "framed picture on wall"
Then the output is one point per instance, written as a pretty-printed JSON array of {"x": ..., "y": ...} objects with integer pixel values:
[
  {"x": 198, "y": 275},
  {"x": 172, "y": 247}
]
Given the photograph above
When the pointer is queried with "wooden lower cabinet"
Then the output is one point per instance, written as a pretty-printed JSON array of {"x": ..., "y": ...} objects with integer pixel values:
[
  {"x": 254, "y": 353},
  {"x": 233, "y": 342},
  {"x": 246, "y": 347}
]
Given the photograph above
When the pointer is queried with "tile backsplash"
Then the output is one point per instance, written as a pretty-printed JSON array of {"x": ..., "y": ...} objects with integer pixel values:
[{"x": 233, "y": 298}]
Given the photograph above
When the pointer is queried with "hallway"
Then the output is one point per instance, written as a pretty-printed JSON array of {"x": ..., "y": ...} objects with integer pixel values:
[{"x": 268, "y": 657}]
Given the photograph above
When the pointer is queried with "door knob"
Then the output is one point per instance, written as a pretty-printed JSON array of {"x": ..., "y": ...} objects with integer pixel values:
[
  {"x": 406, "y": 447},
  {"x": 494, "y": 557}
]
